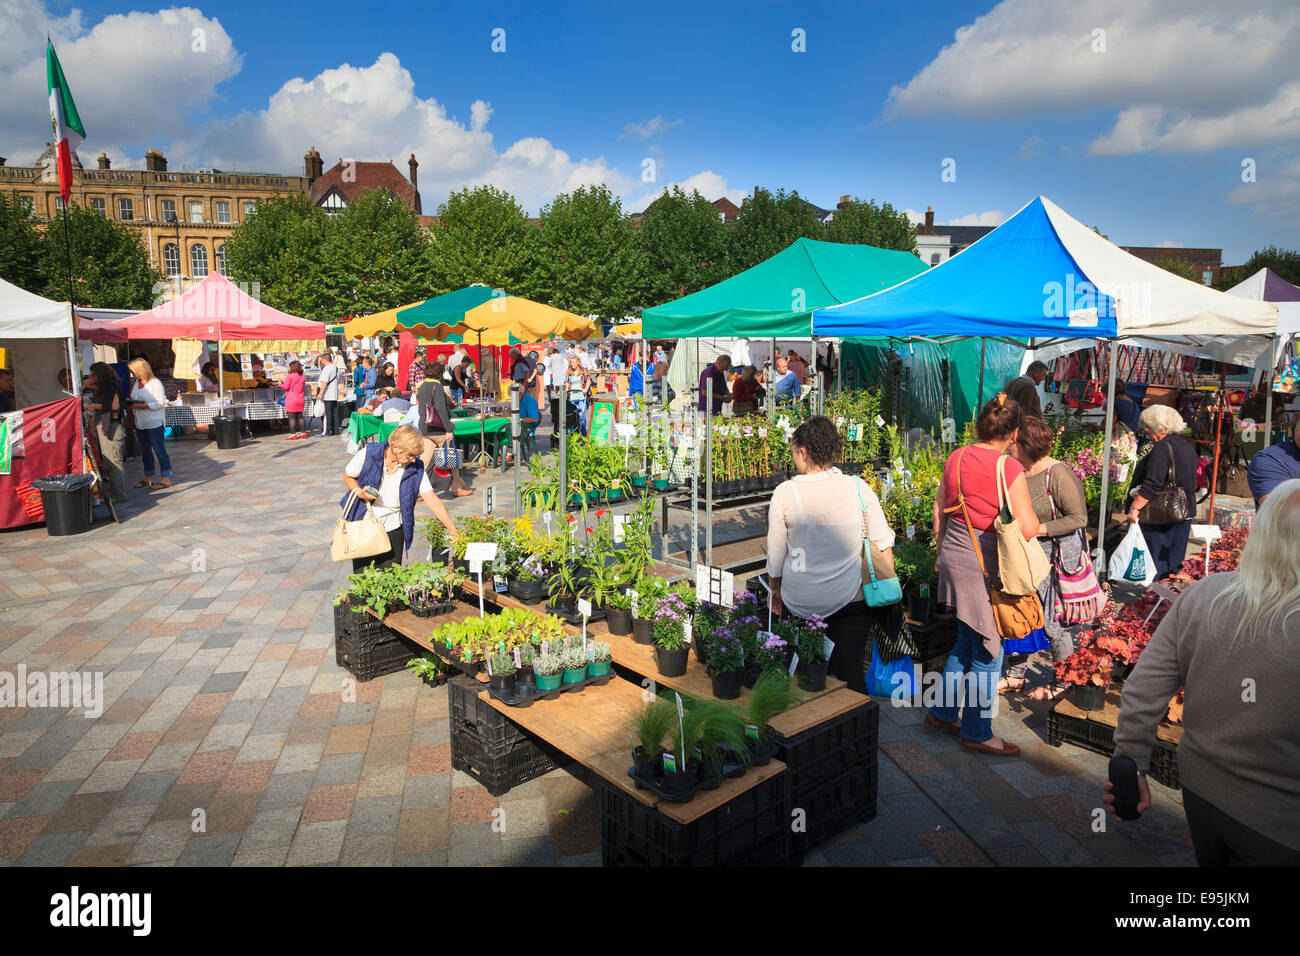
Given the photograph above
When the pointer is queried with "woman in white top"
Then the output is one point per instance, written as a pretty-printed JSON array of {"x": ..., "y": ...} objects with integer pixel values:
[
  {"x": 815, "y": 532},
  {"x": 147, "y": 401},
  {"x": 385, "y": 467}
]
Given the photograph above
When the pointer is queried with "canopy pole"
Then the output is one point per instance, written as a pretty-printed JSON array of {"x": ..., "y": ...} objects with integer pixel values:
[
  {"x": 979, "y": 401},
  {"x": 771, "y": 384},
  {"x": 1273, "y": 354},
  {"x": 1103, "y": 507},
  {"x": 708, "y": 474}
]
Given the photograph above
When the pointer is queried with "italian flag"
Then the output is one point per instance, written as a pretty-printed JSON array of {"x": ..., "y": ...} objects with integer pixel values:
[{"x": 68, "y": 131}]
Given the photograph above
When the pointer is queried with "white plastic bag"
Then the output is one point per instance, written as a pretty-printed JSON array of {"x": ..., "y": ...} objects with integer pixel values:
[{"x": 1132, "y": 560}]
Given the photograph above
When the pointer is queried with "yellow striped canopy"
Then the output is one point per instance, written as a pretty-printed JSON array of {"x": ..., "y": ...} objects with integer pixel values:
[{"x": 461, "y": 315}]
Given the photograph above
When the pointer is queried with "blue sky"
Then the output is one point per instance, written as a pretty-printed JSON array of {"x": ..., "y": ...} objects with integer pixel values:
[{"x": 1144, "y": 137}]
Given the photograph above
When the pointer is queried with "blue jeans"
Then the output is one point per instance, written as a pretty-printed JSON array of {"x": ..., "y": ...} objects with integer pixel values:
[
  {"x": 974, "y": 694},
  {"x": 152, "y": 443},
  {"x": 1167, "y": 544}
]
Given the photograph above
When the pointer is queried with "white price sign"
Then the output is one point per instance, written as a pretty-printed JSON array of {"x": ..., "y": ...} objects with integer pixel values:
[
  {"x": 480, "y": 551},
  {"x": 584, "y": 607},
  {"x": 618, "y": 528},
  {"x": 715, "y": 586}
]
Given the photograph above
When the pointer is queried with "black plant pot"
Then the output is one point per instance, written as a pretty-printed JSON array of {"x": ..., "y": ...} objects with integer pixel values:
[
  {"x": 760, "y": 750},
  {"x": 564, "y": 604},
  {"x": 530, "y": 592},
  {"x": 710, "y": 779},
  {"x": 726, "y": 685},
  {"x": 525, "y": 677},
  {"x": 752, "y": 672},
  {"x": 619, "y": 621},
  {"x": 422, "y": 611},
  {"x": 675, "y": 783},
  {"x": 697, "y": 647},
  {"x": 505, "y": 684},
  {"x": 812, "y": 676},
  {"x": 671, "y": 663},
  {"x": 643, "y": 630},
  {"x": 651, "y": 768},
  {"x": 1119, "y": 673},
  {"x": 920, "y": 609},
  {"x": 1088, "y": 696}
]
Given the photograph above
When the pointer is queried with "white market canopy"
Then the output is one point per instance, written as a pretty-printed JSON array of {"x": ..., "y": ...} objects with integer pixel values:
[
  {"x": 25, "y": 315},
  {"x": 37, "y": 332},
  {"x": 1046, "y": 277}
]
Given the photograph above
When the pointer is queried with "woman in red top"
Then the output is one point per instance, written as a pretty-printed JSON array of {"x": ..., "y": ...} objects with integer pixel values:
[
  {"x": 970, "y": 475},
  {"x": 295, "y": 400},
  {"x": 746, "y": 392}
]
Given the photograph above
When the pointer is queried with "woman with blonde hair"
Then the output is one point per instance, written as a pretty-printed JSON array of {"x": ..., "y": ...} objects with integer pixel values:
[
  {"x": 1230, "y": 642},
  {"x": 148, "y": 399},
  {"x": 396, "y": 478},
  {"x": 1171, "y": 460}
]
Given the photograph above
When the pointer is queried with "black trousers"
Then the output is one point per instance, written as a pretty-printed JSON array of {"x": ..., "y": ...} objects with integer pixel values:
[
  {"x": 853, "y": 628},
  {"x": 331, "y": 417},
  {"x": 1220, "y": 840},
  {"x": 396, "y": 546}
]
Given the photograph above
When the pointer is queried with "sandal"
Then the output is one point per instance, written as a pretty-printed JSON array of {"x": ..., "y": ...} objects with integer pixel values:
[
  {"x": 1049, "y": 692},
  {"x": 143, "y": 483},
  {"x": 1008, "y": 748},
  {"x": 953, "y": 728},
  {"x": 165, "y": 483},
  {"x": 1004, "y": 685}
]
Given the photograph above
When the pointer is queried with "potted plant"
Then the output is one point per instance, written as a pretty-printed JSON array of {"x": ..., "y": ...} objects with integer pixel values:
[
  {"x": 548, "y": 669},
  {"x": 657, "y": 721},
  {"x": 649, "y": 590},
  {"x": 681, "y": 763},
  {"x": 563, "y": 585},
  {"x": 601, "y": 659},
  {"x": 501, "y": 672},
  {"x": 706, "y": 619},
  {"x": 914, "y": 563},
  {"x": 808, "y": 637},
  {"x": 419, "y": 599},
  {"x": 429, "y": 668},
  {"x": 670, "y": 635},
  {"x": 773, "y": 693},
  {"x": 525, "y": 658},
  {"x": 1087, "y": 671},
  {"x": 721, "y": 732},
  {"x": 618, "y": 613},
  {"x": 725, "y": 657},
  {"x": 575, "y": 665}
]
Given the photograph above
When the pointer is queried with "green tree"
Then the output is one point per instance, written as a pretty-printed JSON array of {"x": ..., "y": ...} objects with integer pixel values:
[
  {"x": 766, "y": 224},
  {"x": 482, "y": 235},
  {"x": 110, "y": 265},
  {"x": 373, "y": 258},
  {"x": 684, "y": 246},
  {"x": 870, "y": 224},
  {"x": 1179, "y": 268},
  {"x": 20, "y": 245},
  {"x": 279, "y": 247},
  {"x": 1284, "y": 262},
  {"x": 587, "y": 259}
]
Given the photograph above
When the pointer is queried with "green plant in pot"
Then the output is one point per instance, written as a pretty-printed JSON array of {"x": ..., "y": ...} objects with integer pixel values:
[
  {"x": 575, "y": 664},
  {"x": 526, "y": 656},
  {"x": 808, "y": 637},
  {"x": 669, "y": 629},
  {"x": 618, "y": 613},
  {"x": 773, "y": 694},
  {"x": 706, "y": 619},
  {"x": 601, "y": 659},
  {"x": 549, "y": 670},
  {"x": 721, "y": 732},
  {"x": 649, "y": 589},
  {"x": 681, "y": 761},
  {"x": 501, "y": 671},
  {"x": 725, "y": 657},
  {"x": 914, "y": 563},
  {"x": 563, "y": 584},
  {"x": 429, "y": 668},
  {"x": 656, "y": 723}
]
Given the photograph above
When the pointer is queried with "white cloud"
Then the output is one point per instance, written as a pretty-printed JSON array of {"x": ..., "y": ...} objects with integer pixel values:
[
  {"x": 1168, "y": 244},
  {"x": 1031, "y": 148},
  {"x": 992, "y": 217},
  {"x": 708, "y": 184},
  {"x": 1144, "y": 129},
  {"x": 136, "y": 77},
  {"x": 651, "y": 127}
]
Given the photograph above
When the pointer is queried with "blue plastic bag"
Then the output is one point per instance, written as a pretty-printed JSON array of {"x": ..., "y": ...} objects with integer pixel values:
[{"x": 885, "y": 679}]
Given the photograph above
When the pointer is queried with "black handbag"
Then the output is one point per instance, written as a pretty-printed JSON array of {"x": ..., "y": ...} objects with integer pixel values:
[{"x": 1169, "y": 506}]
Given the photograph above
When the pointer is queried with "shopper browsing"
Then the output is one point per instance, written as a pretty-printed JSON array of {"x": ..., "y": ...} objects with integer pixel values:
[{"x": 148, "y": 399}]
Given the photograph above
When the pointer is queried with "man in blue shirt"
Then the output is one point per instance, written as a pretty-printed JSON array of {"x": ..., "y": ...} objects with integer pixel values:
[
  {"x": 636, "y": 383},
  {"x": 787, "y": 388},
  {"x": 718, "y": 372},
  {"x": 1274, "y": 465}
]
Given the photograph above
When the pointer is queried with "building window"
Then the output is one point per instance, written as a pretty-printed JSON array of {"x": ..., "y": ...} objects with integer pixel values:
[
  {"x": 198, "y": 261},
  {"x": 249, "y": 209},
  {"x": 29, "y": 206},
  {"x": 125, "y": 210},
  {"x": 196, "y": 210},
  {"x": 223, "y": 212},
  {"x": 168, "y": 207},
  {"x": 171, "y": 260},
  {"x": 934, "y": 260},
  {"x": 221, "y": 258},
  {"x": 97, "y": 204},
  {"x": 58, "y": 204},
  {"x": 1207, "y": 277}
]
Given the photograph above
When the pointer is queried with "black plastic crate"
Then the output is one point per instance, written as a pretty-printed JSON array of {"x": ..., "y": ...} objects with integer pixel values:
[
  {"x": 375, "y": 660},
  {"x": 362, "y": 628},
  {"x": 499, "y": 773},
  {"x": 830, "y": 750},
  {"x": 1100, "y": 738},
  {"x": 751, "y": 830},
  {"x": 935, "y": 639},
  {"x": 491, "y": 729},
  {"x": 834, "y": 804}
]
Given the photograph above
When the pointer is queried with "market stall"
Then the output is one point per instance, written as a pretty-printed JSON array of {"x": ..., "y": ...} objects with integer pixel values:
[{"x": 42, "y": 435}]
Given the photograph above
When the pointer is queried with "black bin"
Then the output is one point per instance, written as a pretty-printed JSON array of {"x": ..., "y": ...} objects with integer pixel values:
[
  {"x": 226, "y": 428},
  {"x": 66, "y": 500}
]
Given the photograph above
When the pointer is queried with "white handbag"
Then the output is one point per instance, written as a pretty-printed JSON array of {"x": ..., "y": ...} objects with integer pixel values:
[{"x": 364, "y": 538}]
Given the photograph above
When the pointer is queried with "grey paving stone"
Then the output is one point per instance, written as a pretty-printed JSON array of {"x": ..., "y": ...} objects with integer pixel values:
[
  {"x": 148, "y": 687},
  {"x": 425, "y": 858},
  {"x": 891, "y": 838},
  {"x": 579, "y": 859},
  {"x": 219, "y": 639},
  {"x": 286, "y": 790},
  {"x": 272, "y": 827},
  {"x": 432, "y": 792},
  {"x": 261, "y": 856},
  {"x": 371, "y": 850},
  {"x": 860, "y": 853},
  {"x": 984, "y": 826},
  {"x": 53, "y": 849},
  {"x": 148, "y": 788},
  {"x": 892, "y": 780},
  {"x": 239, "y": 711},
  {"x": 1056, "y": 846},
  {"x": 374, "y": 815},
  {"x": 317, "y": 843},
  {"x": 474, "y": 844},
  {"x": 945, "y": 789},
  {"x": 211, "y": 849},
  {"x": 45, "y": 797},
  {"x": 161, "y": 842},
  {"x": 918, "y": 861},
  {"x": 533, "y": 851},
  {"x": 917, "y": 812},
  {"x": 357, "y": 712},
  {"x": 345, "y": 768}
]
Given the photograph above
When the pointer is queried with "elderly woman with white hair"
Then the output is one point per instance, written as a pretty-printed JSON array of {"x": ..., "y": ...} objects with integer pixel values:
[
  {"x": 1239, "y": 757},
  {"x": 1171, "y": 461}
]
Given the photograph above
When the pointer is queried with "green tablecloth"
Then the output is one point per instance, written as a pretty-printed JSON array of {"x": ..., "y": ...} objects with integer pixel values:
[{"x": 466, "y": 430}]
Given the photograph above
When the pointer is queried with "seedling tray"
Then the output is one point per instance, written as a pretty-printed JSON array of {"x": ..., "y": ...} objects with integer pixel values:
[
  {"x": 525, "y": 700},
  {"x": 575, "y": 618},
  {"x": 648, "y": 783}
]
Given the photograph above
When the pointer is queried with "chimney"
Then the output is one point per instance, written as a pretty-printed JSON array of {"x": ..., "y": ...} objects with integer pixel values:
[
  {"x": 313, "y": 164},
  {"x": 415, "y": 184},
  {"x": 104, "y": 161},
  {"x": 844, "y": 201},
  {"x": 154, "y": 161},
  {"x": 929, "y": 220}
]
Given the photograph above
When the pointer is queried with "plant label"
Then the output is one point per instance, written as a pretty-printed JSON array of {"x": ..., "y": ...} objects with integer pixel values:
[
  {"x": 489, "y": 500},
  {"x": 715, "y": 586},
  {"x": 481, "y": 551},
  {"x": 827, "y": 646},
  {"x": 584, "y": 607},
  {"x": 794, "y": 662},
  {"x": 670, "y": 765},
  {"x": 546, "y": 520},
  {"x": 625, "y": 430},
  {"x": 681, "y": 723},
  {"x": 618, "y": 528},
  {"x": 751, "y": 731},
  {"x": 686, "y": 625},
  {"x": 911, "y": 531},
  {"x": 634, "y": 598},
  {"x": 476, "y": 567},
  {"x": 518, "y": 661},
  {"x": 500, "y": 584},
  {"x": 880, "y": 422}
]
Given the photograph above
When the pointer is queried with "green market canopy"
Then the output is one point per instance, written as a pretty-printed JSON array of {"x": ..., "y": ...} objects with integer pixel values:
[{"x": 776, "y": 298}]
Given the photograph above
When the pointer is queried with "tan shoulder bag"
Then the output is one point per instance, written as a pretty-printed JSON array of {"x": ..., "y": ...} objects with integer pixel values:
[
  {"x": 1022, "y": 565},
  {"x": 363, "y": 538}
]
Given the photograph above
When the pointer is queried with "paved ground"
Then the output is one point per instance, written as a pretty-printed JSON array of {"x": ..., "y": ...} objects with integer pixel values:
[{"x": 208, "y": 609}]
